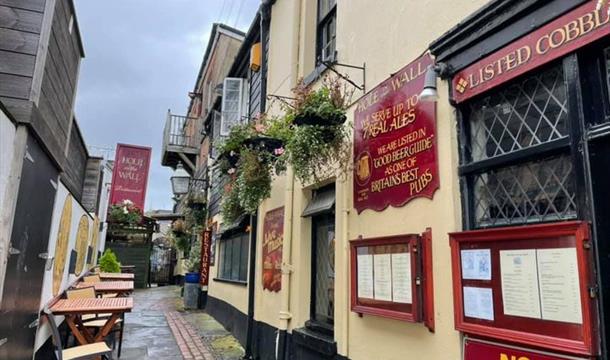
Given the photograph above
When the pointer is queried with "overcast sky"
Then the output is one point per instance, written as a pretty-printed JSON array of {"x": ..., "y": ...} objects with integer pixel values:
[{"x": 142, "y": 58}]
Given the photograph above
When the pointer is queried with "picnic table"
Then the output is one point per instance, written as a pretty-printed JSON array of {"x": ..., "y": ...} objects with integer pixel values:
[
  {"x": 73, "y": 309},
  {"x": 116, "y": 276},
  {"x": 121, "y": 288}
]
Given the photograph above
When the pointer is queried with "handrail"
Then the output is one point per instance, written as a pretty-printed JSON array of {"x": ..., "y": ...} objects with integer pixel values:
[{"x": 181, "y": 131}]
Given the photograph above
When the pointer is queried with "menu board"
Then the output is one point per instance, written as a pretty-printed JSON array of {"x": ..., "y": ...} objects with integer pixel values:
[
  {"x": 384, "y": 272},
  {"x": 526, "y": 284}
]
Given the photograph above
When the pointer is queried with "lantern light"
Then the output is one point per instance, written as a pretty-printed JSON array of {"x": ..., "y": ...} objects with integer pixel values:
[{"x": 180, "y": 180}]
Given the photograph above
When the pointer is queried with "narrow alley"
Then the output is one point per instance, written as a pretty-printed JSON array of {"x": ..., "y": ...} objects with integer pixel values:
[{"x": 159, "y": 328}]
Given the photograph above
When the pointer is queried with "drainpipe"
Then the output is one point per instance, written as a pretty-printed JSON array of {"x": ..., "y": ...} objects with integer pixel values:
[
  {"x": 252, "y": 271},
  {"x": 285, "y": 314},
  {"x": 345, "y": 233}
]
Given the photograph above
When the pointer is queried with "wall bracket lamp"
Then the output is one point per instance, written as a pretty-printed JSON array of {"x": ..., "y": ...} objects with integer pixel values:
[{"x": 430, "y": 93}]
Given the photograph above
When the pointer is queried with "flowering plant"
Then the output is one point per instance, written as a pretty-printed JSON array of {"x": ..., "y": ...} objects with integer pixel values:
[
  {"x": 260, "y": 148},
  {"x": 125, "y": 212}
]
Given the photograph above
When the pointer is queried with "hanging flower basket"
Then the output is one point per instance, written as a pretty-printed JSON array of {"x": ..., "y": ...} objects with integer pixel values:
[
  {"x": 232, "y": 158},
  {"x": 265, "y": 143}
]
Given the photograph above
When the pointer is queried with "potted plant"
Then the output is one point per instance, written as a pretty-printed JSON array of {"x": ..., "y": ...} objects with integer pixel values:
[{"x": 109, "y": 263}]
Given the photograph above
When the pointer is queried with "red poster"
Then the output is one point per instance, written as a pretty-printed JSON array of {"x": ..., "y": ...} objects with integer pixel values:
[
  {"x": 565, "y": 34},
  {"x": 273, "y": 239},
  {"x": 206, "y": 243},
  {"x": 395, "y": 142},
  {"x": 475, "y": 350},
  {"x": 130, "y": 174}
]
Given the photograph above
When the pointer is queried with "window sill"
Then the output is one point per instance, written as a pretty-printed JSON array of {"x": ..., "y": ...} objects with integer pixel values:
[{"x": 229, "y": 281}]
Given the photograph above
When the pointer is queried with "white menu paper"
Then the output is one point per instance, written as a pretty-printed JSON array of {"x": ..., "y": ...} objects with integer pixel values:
[
  {"x": 382, "y": 277},
  {"x": 520, "y": 293},
  {"x": 559, "y": 285},
  {"x": 365, "y": 276},
  {"x": 401, "y": 278},
  {"x": 476, "y": 264},
  {"x": 478, "y": 303}
]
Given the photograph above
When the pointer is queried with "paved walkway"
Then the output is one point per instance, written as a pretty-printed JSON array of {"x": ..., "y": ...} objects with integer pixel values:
[{"x": 159, "y": 328}]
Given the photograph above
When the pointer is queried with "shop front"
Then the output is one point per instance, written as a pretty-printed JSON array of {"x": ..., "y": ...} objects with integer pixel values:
[{"x": 530, "y": 270}]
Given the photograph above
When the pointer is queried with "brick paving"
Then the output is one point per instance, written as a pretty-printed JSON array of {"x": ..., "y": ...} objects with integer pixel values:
[
  {"x": 188, "y": 339},
  {"x": 159, "y": 328}
]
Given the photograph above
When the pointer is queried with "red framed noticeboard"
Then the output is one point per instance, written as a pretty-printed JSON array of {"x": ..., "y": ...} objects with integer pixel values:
[
  {"x": 392, "y": 277},
  {"x": 527, "y": 285}
]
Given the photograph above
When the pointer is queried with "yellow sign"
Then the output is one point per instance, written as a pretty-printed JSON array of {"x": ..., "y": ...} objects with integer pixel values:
[{"x": 61, "y": 247}]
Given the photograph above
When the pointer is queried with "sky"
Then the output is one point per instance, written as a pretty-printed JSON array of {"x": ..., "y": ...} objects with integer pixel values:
[{"x": 141, "y": 59}]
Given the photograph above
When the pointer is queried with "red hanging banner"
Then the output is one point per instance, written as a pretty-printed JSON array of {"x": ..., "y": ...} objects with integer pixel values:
[
  {"x": 565, "y": 34},
  {"x": 273, "y": 239},
  {"x": 395, "y": 142},
  {"x": 206, "y": 243},
  {"x": 130, "y": 174}
]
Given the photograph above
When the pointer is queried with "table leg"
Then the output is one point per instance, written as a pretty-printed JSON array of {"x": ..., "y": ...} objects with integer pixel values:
[
  {"x": 85, "y": 330},
  {"x": 107, "y": 327},
  {"x": 75, "y": 331}
]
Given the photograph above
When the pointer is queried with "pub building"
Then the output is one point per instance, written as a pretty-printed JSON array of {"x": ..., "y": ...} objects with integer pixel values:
[
  {"x": 475, "y": 222},
  {"x": 533, "y": 115}
]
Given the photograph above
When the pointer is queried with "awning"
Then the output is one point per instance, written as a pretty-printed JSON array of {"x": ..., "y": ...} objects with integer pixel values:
[
  {"x": 323, "y": 202},
  {"x": 238, "y": 226}
]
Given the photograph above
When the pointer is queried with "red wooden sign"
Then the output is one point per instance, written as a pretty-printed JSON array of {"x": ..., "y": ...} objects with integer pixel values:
[
  {"x": 395, "y": 142},
  {"x": 526, "y": 285},
  {"x": 392, "y": 277},
  {"x": 484, "y": 350},
  {"x": 565, "y": 34},
  {"x": 206, "y": 244},
  {"x": 130, "y": 174},
  {"x": 273, "y": 239}
]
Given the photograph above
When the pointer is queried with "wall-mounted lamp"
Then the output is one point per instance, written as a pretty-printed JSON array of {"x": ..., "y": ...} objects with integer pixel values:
[
  {"x": 194, "y": 95},
  {"x": 429, "y": 93}
]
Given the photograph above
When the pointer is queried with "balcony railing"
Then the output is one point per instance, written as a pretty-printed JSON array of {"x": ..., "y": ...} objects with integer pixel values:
[
  {"x": 181, "y": 131},
  {"x": 181, "y": 137}
]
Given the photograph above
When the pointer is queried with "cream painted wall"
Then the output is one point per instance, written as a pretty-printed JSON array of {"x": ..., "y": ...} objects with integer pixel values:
[
  {"x": 267, "y": 303},
  {"x": 386, "y": 38},
  {"x": 234, "y": 294}
]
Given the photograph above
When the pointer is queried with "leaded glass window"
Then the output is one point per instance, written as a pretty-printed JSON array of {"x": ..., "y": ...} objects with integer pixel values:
[
  {"x": 530, "y": 192},
  {"x": 508, "y": 180},
  {"x": 524, "y": 114}
]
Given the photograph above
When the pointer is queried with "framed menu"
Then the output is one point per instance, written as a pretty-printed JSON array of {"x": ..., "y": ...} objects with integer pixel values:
[
  {"x": 527, "y": 285},
  {"x": 388, "y": 277}
]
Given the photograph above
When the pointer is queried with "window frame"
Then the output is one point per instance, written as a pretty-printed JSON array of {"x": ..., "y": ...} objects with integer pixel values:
[
  {"x": 225, "y": 129},
  {"x": 225, "y": 264},
  {"x": 321, "y": 23},
  {"x": 468, "y": 170}
]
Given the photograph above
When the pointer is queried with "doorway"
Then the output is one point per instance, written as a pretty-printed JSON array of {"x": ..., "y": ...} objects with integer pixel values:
[{"x": 26, "y": 262}]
